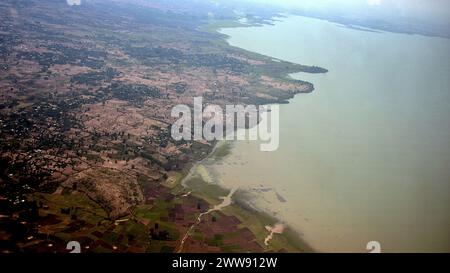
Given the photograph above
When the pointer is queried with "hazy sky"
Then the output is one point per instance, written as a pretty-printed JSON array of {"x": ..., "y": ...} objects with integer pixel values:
[{"x": 434, "y": 10}]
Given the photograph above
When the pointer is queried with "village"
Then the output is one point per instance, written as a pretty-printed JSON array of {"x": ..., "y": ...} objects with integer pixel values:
[{"x": 85, "y": 122}]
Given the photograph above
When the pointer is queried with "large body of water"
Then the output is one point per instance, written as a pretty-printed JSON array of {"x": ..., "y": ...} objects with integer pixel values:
[{"x": 367, "y": 155}]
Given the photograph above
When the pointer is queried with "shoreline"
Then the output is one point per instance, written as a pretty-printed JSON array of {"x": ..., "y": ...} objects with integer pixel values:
[
  {"x": 238, "y": 206},
  {"x": 287, "y": 232}
]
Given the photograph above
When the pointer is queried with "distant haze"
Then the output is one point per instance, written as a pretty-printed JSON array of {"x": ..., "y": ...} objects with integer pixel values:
[
  {"x": 436, "y": 11},
  {"x": 73, "y": 2}
]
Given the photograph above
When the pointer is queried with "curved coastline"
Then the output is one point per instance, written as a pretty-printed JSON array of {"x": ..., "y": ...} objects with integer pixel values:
[
  {"x": 238, "y": 197},
  {"x": 238, "y": 200}
]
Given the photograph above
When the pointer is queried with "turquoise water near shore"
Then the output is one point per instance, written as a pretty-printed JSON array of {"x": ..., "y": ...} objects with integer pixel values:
[{"x": 367, "y": 155}]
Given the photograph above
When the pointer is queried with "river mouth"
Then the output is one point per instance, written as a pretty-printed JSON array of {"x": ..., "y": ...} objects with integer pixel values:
[{"x": 363, "y": 158}]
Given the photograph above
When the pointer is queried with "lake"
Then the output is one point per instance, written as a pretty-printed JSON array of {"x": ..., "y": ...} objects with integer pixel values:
[{"x": 366, "y": 156}]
